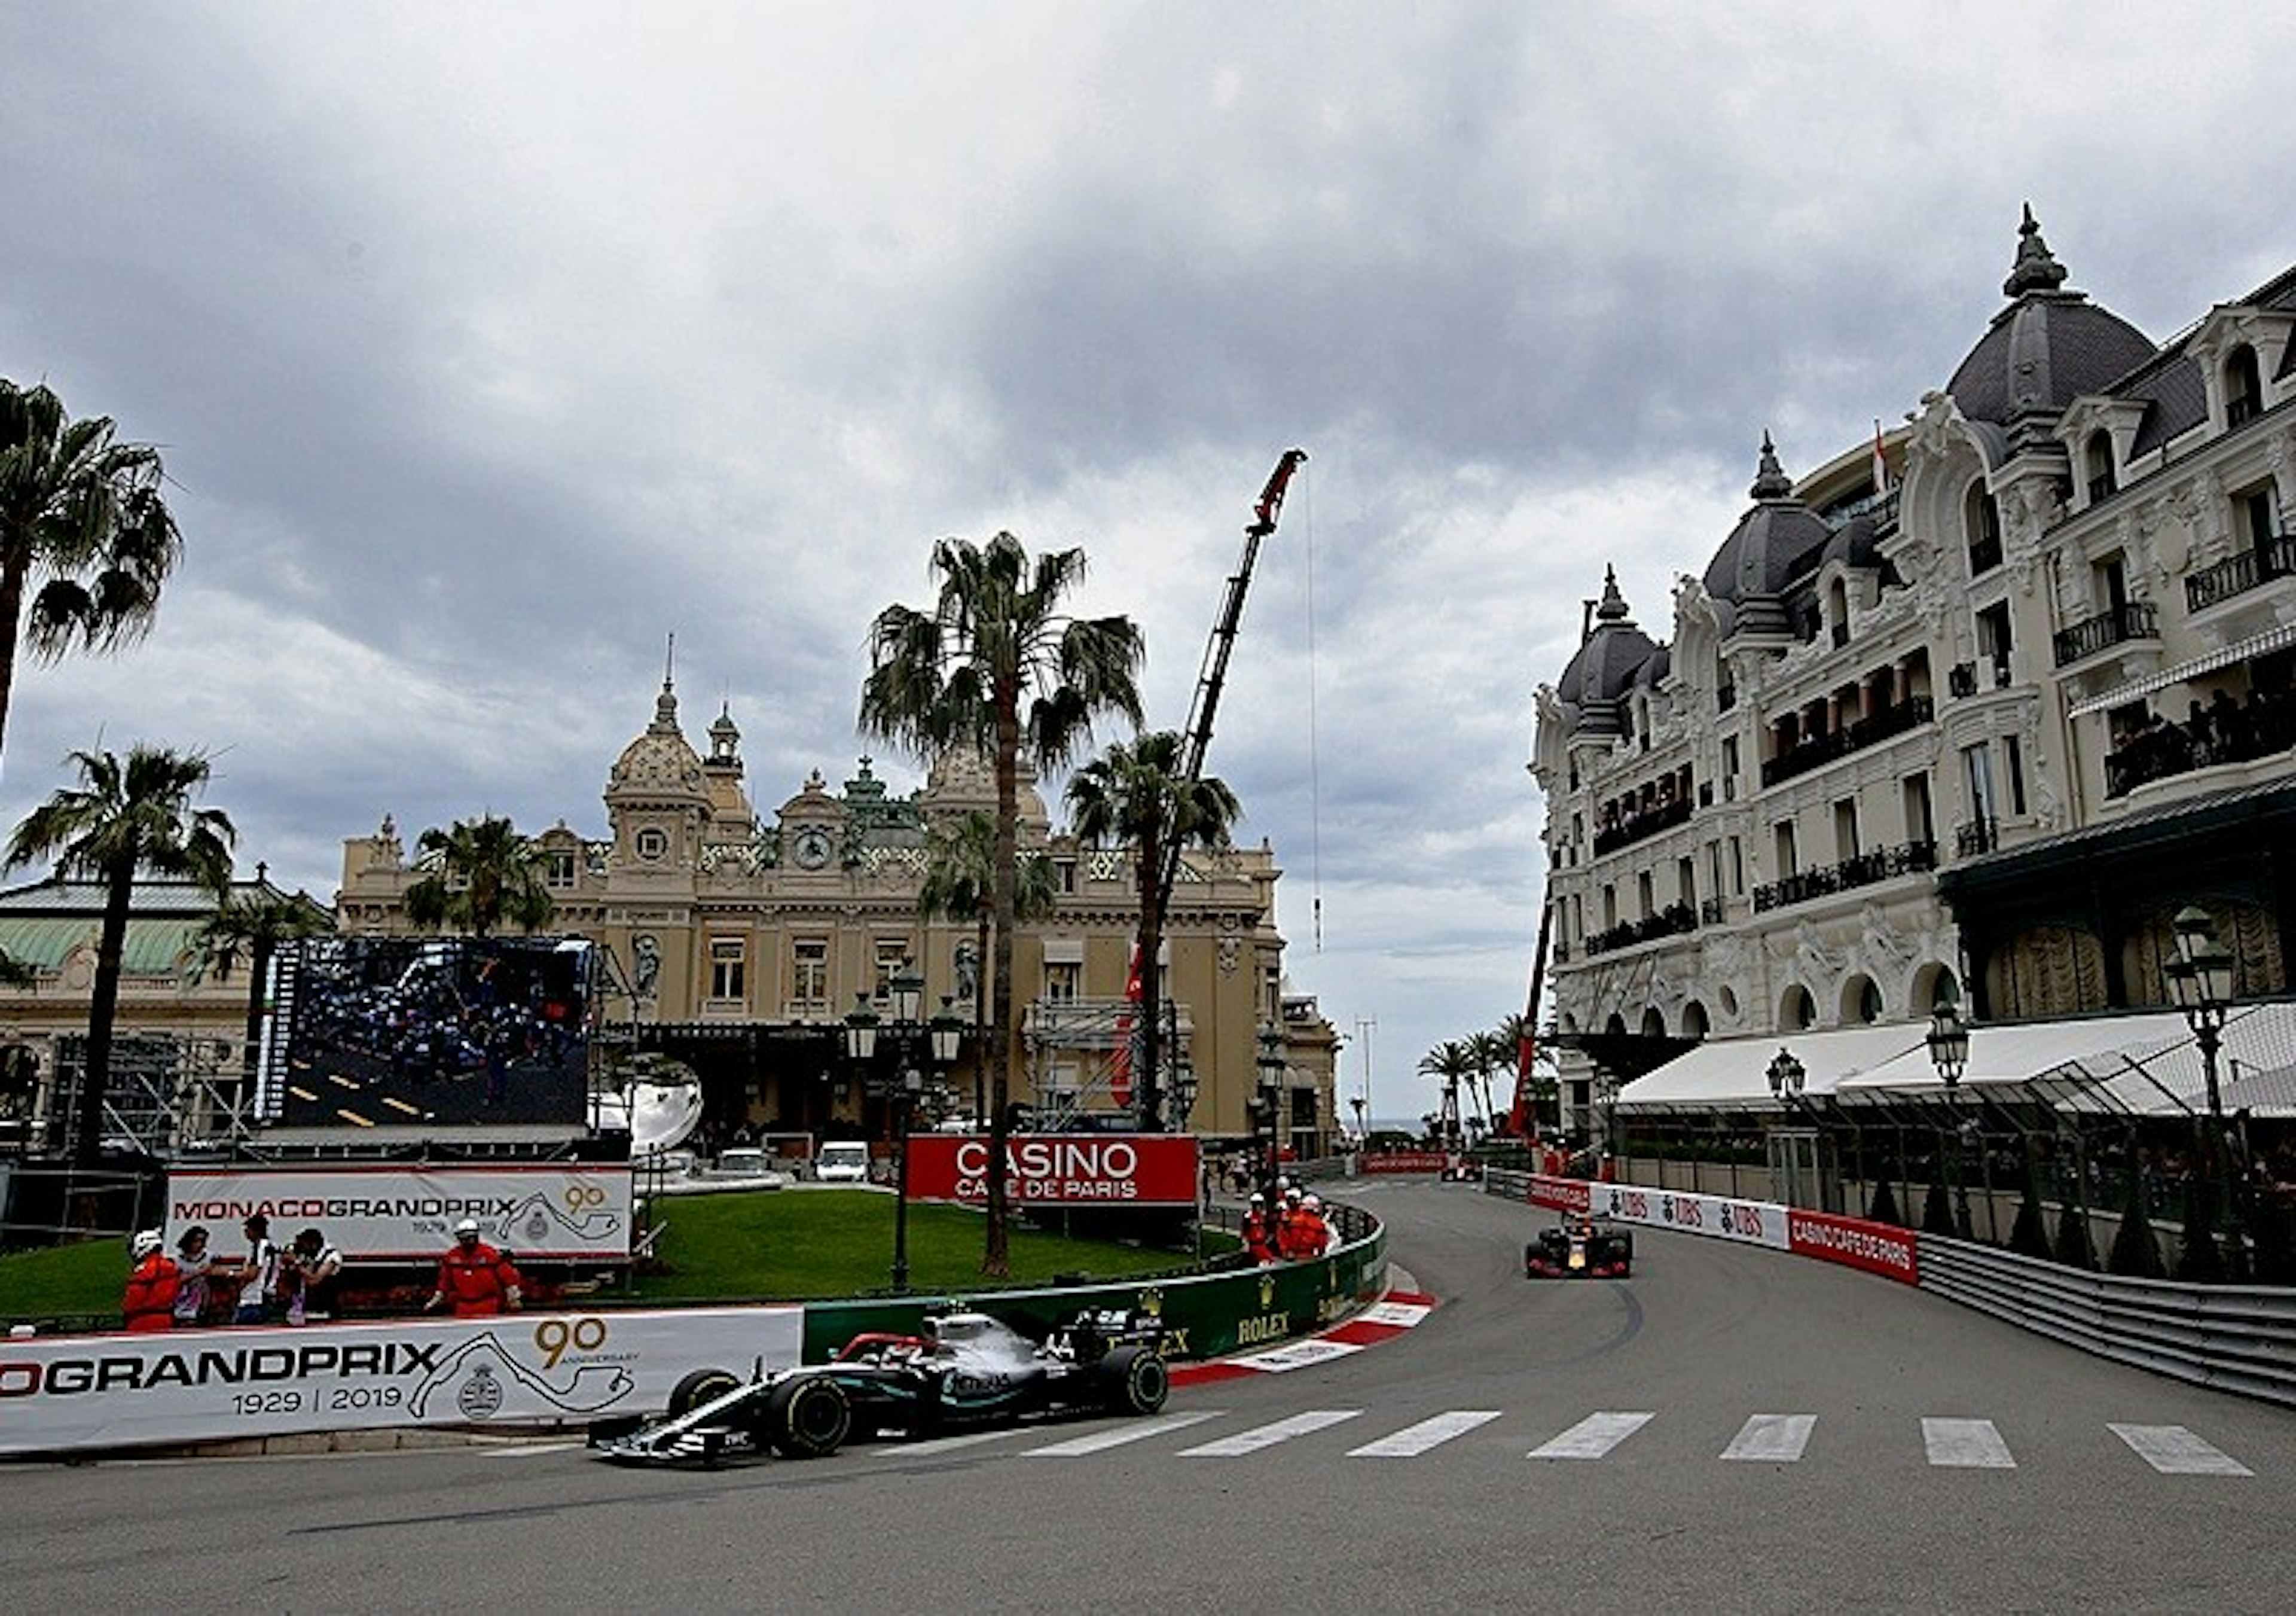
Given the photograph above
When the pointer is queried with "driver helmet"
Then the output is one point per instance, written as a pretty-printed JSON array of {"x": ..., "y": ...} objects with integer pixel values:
[{"x": 146, "y": 1242}]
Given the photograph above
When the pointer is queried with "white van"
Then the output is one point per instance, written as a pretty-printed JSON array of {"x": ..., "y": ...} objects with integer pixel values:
[{"x": 842, "y": 1161}]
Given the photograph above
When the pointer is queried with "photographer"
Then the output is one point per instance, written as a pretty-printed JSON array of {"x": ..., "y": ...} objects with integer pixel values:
[{"x": 315, "y": 1268}]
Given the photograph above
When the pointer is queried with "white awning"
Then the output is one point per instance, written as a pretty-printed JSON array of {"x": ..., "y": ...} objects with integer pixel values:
[
  {"x": 2225, "y": 656},
  {"x": 2148, "y": 1064},
  {"x": 1733, "y": 1074}
]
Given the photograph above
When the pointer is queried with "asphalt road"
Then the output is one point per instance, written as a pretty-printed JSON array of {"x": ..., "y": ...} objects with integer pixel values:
[{"x": 1905, "y": 1455}]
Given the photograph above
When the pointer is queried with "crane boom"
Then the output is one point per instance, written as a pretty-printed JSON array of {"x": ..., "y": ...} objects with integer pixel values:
[{"x": 1213, "y": 675}]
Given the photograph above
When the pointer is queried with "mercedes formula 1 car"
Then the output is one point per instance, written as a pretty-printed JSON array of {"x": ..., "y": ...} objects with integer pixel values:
[
  {"x": 967, "y": 1370},
  {"x": 1579, "y": 1248}
]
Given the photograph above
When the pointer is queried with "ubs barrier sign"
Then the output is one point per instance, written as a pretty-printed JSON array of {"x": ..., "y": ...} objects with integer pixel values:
[
  {"x": 1878, "y": 1248},
  {"x": 553, "y": 1212},
  {"x": 1059, "y": 1169},
  {"x": 62, "y": 1393}
]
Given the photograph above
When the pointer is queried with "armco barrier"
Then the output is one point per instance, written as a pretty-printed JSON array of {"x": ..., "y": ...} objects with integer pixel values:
[
  {"x": 2233, "y": 1338},
  {"x": 75, "y": 1393}
]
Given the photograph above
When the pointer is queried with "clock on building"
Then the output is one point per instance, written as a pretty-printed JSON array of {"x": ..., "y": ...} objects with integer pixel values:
[{"x": 812, "y": 848}]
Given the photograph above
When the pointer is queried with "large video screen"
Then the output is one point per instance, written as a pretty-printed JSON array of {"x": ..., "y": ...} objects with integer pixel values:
[{"x": 412, "y": 1032}]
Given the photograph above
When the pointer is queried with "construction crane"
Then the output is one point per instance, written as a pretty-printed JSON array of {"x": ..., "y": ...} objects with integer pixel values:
[{"x": 1210, "y": 680}]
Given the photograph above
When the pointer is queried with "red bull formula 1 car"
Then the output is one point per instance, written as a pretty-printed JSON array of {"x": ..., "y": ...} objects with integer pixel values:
[
  {"x": 1579, "y": 1248},
  {"x": 966, "y": 1371}
]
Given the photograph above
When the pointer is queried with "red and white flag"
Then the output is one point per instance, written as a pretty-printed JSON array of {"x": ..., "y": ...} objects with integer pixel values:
[{"x": 1880, "y": 463}]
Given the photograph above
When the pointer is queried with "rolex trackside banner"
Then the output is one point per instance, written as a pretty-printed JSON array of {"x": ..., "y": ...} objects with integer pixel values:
[
  {"x": 62, "y": 1393},
  {"x": 553, "y": 1212},
  {"x": 1059, "y": 1169}
]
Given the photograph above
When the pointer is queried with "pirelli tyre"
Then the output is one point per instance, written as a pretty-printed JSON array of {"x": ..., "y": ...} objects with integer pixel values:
[
  {"x": 1137, "y": 1380},
  {"x": 807, "y": 1417},
  {"x": 702, "y": 1386}
]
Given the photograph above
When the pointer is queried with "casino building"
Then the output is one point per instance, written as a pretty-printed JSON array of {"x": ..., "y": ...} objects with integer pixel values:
[
  {"x": 1972, "y": 711},
  {"x": 738, "y": 941}
]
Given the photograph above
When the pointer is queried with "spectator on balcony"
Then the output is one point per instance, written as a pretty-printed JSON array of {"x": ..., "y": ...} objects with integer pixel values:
[{"x": 2235, "y": 730}]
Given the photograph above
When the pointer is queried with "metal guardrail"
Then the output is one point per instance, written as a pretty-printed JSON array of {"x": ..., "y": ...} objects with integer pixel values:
[{"x": 2232, "y": 1337}]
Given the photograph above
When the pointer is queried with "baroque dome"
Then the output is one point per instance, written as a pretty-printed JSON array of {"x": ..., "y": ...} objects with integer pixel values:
[
  {"x": 2047, "y": 348},
  {"x": 660, "y": 761},
  {"x": 1775, "y": 542}
]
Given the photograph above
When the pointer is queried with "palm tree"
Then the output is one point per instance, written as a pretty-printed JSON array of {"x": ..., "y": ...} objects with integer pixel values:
[
  {"x": 959, "y": 883},
  {"x": 997, "y": 666},
  {"x": 251, "y": 925},
  {"x": 1450, "y": 1061},
  {"x": 124, "y": 817},
  {"x": 481, "y": 875},
  {"x": 82, "y": 517},
  {"x": 1137, "y": 794}
]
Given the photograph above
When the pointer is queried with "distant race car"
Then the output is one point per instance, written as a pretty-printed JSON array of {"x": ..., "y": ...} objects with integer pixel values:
[
  {"x": 1579, "y": 1248},
  {"x": 967, "y": 1370}
]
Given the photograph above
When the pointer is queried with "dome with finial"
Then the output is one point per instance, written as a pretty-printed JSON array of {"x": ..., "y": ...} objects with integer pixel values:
[
  {"x": 1604, "y": 669},
  {"x": 2047, "y": 348},
  {"x": 1774, "y": 543},
  {"x": 660, "y": 761}
]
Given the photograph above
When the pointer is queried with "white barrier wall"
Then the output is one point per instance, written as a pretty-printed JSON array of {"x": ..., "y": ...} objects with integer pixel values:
[{"x": 77, "y": 1392}]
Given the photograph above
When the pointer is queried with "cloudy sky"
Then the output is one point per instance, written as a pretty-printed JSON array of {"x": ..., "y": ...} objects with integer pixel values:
[{"x": 489, "y": 345}]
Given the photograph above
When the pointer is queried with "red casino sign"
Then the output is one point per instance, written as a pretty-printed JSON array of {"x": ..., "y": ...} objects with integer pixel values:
[{"x": 1059, "y": 1169}]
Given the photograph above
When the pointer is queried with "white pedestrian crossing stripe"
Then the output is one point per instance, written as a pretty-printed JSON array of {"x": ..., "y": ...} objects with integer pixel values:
[
  {"x": 1593, "y": 1436},
  {"x": 1413, "y": 1441},
  {"x": 2175, "y": 1451},
  {"x": 1965, "y": 1445},
  {"x": 1268, "y": 1436},
  {"x": 1136, "y": 1431},
  {"x": 1777, "y": 1437}
]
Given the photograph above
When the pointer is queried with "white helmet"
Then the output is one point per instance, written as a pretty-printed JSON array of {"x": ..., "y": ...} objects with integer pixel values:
[
  {"x": 146, "y": 1243},
  {"x": 468, "y": 1226},
  {"x": 1313, "y": 1203}
]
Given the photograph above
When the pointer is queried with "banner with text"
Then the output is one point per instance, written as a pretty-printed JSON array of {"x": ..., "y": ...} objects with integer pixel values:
[
  {"x": 1059, "y": 1169},
  {"x": 1757, "y": 1223},
  {"x": 548, "y": 1213},
  {"x": 83, "y": 1392},
  {"x": 1878, "y": 1248}
]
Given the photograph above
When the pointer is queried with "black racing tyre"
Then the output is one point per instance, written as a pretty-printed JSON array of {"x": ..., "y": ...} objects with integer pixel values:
[
  {"x": 1138, "y": 1380},
  {"x": 807, "y": 1417},
  {"x": 702, "y": 1386}
]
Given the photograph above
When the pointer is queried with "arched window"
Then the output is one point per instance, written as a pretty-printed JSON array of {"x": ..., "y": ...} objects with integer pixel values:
[
  {"x": 2244, "y": 386},
  {"x": 1980, "y": 521},
  {"x": 1861, "y": 1002},
  {"x": 2102, "y": 481},
  {"x": 1797, "y": 1011},
  {"x": 1693, "y": 1020},
  {"x": 1837, "y": 607}
]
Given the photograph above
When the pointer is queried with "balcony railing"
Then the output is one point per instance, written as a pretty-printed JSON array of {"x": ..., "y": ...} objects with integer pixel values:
[
  {"x": 2132, "y": 620},
  {"x": 2224, "y": 732},
  {"x": 2239, "y": 574},
  {"x": 1672, "y": 921},
  {"x": 1882, "y": 864},
  {"x": 1818, "y": 750},
  {"x": 1978, "y": 837},
  {"x": 1643, "y": 823},
  {"x": 1710, "y": 912}
]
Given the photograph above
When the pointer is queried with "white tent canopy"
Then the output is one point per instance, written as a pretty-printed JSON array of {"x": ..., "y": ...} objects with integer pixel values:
[{"x": 1733, "y": 1074}]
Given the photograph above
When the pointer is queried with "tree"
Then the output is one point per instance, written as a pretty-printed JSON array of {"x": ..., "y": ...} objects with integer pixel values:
[
  {"x": 2135, "y": 1252},
  {"x": 480, "y": 876},
  {"x": 124, "y": 817},
  {"x": 959, "y": 883},
  {"x": 84, "y": 531},
  {"x": 251, "y": 927},
  {"x": 997, "y": 665},
  {"x": 1137, "y": 794},
  {"x": 1452, "y": 1060}
]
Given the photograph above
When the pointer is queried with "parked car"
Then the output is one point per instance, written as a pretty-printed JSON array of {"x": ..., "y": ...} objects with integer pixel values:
[
  {"x": 747, "y": 1167},
  {"x": 967, "y": 1370},
  {"x": 841, "y": 1162}
]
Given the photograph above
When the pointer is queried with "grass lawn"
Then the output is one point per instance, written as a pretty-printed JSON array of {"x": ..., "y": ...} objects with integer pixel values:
[
  {"x": 750, "y": 1245},
  {"x": 816, "y": 1243}
]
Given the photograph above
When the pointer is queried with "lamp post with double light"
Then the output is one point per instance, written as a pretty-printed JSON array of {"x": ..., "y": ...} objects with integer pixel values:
[
  {"x": 916, "y": 1046},
  {"x": 2201, "y": 979},
  {"x": 1948, "y": 1042},
  {"x": 1787, "y": 1077},
  {"x": 1271, "y": 1104}
]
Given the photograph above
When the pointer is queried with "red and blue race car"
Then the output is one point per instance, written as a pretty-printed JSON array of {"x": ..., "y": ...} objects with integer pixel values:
[{"x": 1579, "y": 1248}]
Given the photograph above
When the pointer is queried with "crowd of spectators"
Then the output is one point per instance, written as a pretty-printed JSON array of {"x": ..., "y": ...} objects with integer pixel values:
[{"x": 2220, "y": 730}]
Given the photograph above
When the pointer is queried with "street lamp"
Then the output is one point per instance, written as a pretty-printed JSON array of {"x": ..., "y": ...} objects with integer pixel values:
[
  {"x": 916, "y": 1044},
  {"x": 1271, "y": 1094},
  {"x": 2200, "y": 979},
  {"x": 1184, "y": 1094},
  {"x": 1948, "y": 1042},
  {"x": 1788, "y": 1077}
]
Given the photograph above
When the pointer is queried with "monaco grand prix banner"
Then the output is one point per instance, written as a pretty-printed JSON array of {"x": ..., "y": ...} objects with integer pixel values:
[
  {"x": 86, "y": 1392},
  {"x": 1059, "y": 1169},
  {"x": 552, "y": 1213},
  {"x": 1878, "y": 1248}
]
